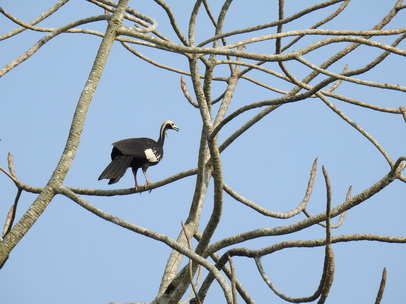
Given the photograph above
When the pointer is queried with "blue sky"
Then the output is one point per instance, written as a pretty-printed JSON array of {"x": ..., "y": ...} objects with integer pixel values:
[{"x": 70, "y": 255}]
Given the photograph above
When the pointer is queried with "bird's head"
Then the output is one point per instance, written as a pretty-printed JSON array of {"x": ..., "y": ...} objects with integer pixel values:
[{"x": 169, "y": 125}]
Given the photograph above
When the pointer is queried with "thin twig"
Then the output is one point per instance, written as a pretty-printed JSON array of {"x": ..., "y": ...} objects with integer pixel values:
[
  {"x": 324, "y": 21},
  {"x": 338, "y": 82},
  {"x": 189, "y": 243},
  {"x": 10, "y": 163},
  {"x": 11, "y": 214},
  {"x": 357, "y": 127},
  {"x": 233, "y": 280},
  {"x": 381, "y": 287},
  {"x": 342, "y": 215},
  {"x": 186, "y": 93},
  {"x": 329, "y": 265},
  {"x": 403, "y": 111}
]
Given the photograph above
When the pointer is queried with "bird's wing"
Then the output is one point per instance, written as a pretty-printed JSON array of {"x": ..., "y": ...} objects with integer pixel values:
[{"x": 135, "y": 146}]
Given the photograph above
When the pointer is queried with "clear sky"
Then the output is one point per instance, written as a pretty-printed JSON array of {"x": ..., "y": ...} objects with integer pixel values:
[{"x": 72, "y": 256}]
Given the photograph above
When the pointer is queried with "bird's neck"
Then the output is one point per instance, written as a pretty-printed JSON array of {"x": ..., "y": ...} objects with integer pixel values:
[{"x": 161, "y": 138}]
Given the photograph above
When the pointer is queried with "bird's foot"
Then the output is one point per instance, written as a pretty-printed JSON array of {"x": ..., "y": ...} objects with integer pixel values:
[{"x": 146, "y": 184}]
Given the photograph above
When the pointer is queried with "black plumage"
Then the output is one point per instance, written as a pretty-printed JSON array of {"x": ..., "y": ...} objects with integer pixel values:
[{"x": 136, "y": 153}]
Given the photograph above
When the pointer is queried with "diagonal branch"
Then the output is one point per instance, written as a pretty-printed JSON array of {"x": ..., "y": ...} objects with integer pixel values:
[
  {"x": 45, "y": 39},
  {"x": 72, "y": 142},
  {"x": 43, "y": 16},
  {"x": 381, "y": 287},
  {"x": 151, "y": 234}
]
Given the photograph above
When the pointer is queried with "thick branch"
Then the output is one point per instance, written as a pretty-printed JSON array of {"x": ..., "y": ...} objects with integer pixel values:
[{"x": 72, "y": 143}]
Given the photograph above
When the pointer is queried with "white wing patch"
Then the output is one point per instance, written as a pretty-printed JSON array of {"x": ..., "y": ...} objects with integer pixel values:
[{"x": 151, "y": 157}]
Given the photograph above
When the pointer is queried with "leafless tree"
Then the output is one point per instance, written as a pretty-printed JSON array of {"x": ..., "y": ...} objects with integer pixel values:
[{"x": 260, "y": 56}]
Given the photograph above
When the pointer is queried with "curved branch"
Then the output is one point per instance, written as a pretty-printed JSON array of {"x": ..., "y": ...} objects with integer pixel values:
[
  {"x": 354, "y": 201},
  {"x": 328, "y": 269},
  {"x": 342, "y": 215},
  {"x": 281, "y": 215},
  {"x": 257, "y": 253},
  {"x": 186, "y": 93}
]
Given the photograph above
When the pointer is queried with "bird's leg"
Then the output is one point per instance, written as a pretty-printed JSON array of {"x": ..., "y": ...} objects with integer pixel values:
[
  {"x": 144, "y": 170},
  {"x": 135, "y": 177}
]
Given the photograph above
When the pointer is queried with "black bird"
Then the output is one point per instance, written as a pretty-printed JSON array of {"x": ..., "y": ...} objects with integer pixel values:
[{"x": 136, "y": 153}]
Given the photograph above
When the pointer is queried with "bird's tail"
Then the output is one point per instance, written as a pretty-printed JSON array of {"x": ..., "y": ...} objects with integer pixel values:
[{"x": 116, "y": 169}]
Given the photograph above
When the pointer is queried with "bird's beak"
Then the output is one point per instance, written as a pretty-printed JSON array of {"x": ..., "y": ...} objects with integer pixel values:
[{"x": 175, "y": 128}]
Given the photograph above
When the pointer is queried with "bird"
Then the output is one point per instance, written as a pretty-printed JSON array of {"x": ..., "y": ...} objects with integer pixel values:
[{"x": 136, "y": 153}]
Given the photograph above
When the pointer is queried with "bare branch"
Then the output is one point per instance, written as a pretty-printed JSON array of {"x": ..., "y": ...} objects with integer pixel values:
[
  {"x": 45, "y": 39},
  {"x": 281, "y": 215},
  {"x": 263, "y": 64},
  {"x": 11, "y": 215},
  {"x": 151, "y": 234},
  {"x": 328, "y": 270},
  {"x": 381, "y": 287},
  {"x": 338, "y": 82},
  {"x": 186, "y": 93},
  {"x": 338, "y": 36},
  {"x": 189, "y": 242},
  {"x": 43, "y": 16},
  {"x": 233, "y": 280},
  {"x": 209, "y": 279},
  {"x": 10, "y": 162},
  {"x": 168, "y": 180},
  {"x": 172, "y": 19},
  {"x": 356, "y": 200},
  {"x": 349, "y": 79},
  {"x": 140, "y": 18},
  {"x": 342, "y": 215},
  {"x": 273, "y": 23},
  {"x": 47, "y": 194},
  {"x": 324, "y": 21},
  {"x": 23, "y": 24},
  {"x": 357, "y": 127},
  {"x": 403, "y": 111}
]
